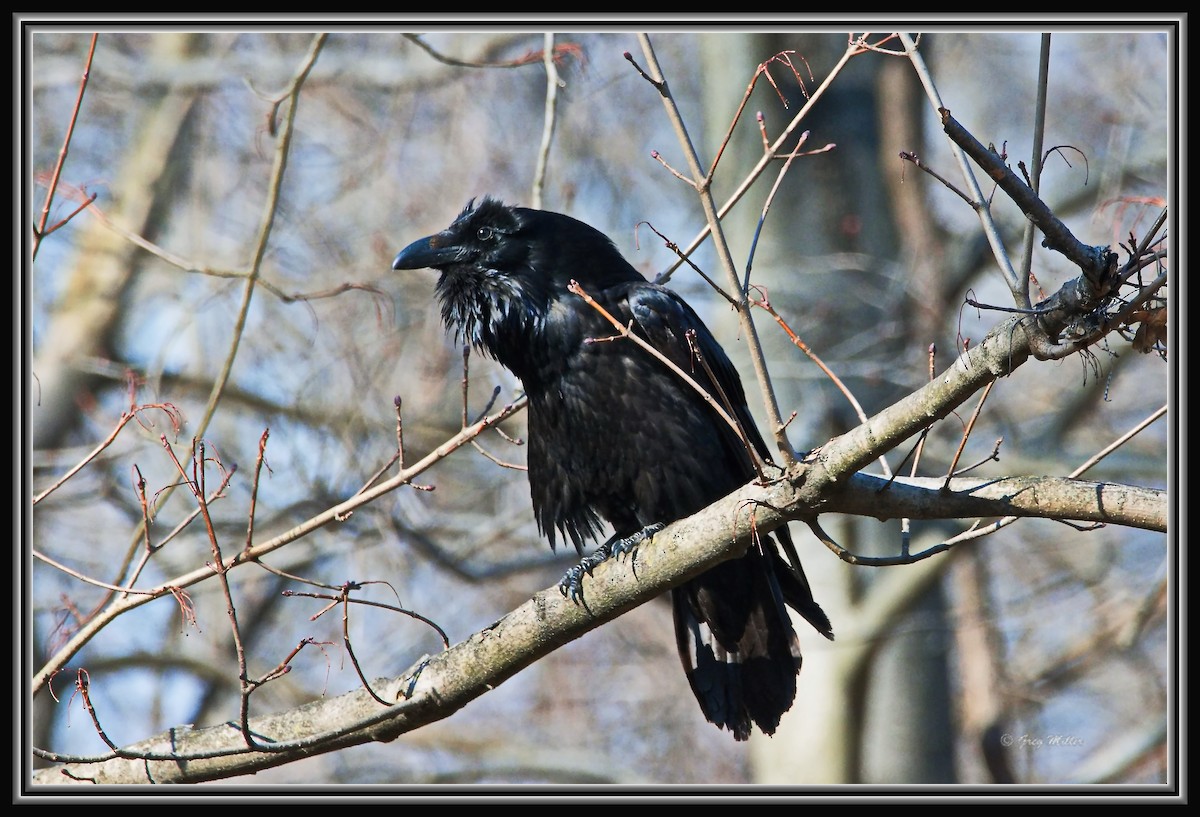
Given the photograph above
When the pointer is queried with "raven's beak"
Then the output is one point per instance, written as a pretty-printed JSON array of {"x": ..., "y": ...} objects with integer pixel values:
[{"x": 435, "y": 252}]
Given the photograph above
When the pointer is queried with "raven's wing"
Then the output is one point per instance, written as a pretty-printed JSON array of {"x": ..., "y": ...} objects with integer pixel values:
[{"x": 668, "y": 323}]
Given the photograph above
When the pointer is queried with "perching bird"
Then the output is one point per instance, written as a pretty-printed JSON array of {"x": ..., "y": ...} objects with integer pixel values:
[{"x": 616, "y": 436}]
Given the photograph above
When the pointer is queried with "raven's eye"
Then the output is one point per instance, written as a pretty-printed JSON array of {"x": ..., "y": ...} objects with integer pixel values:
[{"x": 485, "y": 233}]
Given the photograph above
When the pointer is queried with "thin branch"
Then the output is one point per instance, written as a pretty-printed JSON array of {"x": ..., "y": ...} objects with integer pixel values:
[
  {"x": 196, "y": 483},
  {"x": 1039, "y": 135},
  {"x": 118, "y": 608},
  {"x": 40, "y": 231},
  {"x": 962, "y": 443},
  {"x": 755, "y": 458},
  {"x": 770, "y": 154},
  {"x": 723, "y": 253},
  {"x": 766, "y": 208},
  {"x": 466, "y": 357},
  {"x": 149, "y": 550},
  {"x": 170, "y": 410},
  {"x": 975, "y": 196},
  {"x": 911, "y": 157},
  {"x": 685, "y": 259},
  {"x": 259, "y": 461},
  {"x": 550, "y": 116},
  {"x": 270, "y": 210},
  {"x": 37, "y": 554},
  {"x": 396, "y": 608},
  {"x": 764, "y": 303},
  {"x": 194, "y": 268},
  {"x": 557, "y": 54},
  {"x": 1120, "y": 441}
]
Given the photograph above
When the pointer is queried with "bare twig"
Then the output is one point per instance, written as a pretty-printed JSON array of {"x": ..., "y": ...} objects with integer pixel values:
[
  {"x": 270, "y": 210},
  {"x": 83, "y": 578},
  {"x": 1039, "y": 135},
  {"x": 974, "y": 195},
  {"x": 911, "y": 157},
  {"x": 549, "y": 118},
  {"x": 558, "y": 54},
  {"x": 685, "y": 259},
  {"x": 764, "y": 303},
  {"x": 771, "y": 153},
  {"x": 118, "y": 608},
  {"x": 259, "y": 462},
  {"x": 699, "y": 177},
  {"x": 967, "y": 431},
  {"x": 40, "y": 230},
  {"x": 150, "y": 550},
  {"x": 170, "y": 410}
]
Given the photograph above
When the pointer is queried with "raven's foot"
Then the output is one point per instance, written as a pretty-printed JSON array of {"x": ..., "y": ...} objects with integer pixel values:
[
  {"x": 571, "y": 585},
  {"x": 630, "y": 543}
]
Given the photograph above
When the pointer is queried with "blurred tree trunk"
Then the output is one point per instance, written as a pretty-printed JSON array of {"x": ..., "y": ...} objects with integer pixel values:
[
  {"x": 871, "y": 706},
  {"x": 89, "y": 310}
]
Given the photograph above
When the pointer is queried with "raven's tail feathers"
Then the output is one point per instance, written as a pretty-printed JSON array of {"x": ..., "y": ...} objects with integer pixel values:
[
  {"x": 795, "y": 587},
  {"x": 736, "y": 640}
]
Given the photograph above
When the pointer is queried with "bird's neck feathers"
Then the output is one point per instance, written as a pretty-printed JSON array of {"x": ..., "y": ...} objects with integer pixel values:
[{"x": 498, "y": 314}]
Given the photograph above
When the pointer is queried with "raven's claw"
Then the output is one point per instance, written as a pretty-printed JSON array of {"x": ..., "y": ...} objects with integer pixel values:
[
  {"x": 571, "y": 584},
  {"x": 630, "y": 543}
]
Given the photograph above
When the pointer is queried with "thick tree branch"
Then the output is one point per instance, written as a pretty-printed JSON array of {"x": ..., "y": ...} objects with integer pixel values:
[
  {"x": 1046, "y": 497},
  {"x": 447, "y": 682}
]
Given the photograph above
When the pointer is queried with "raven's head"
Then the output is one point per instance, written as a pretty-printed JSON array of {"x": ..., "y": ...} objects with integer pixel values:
[
  {"x": 503, "y": 267},
  {"x": 488, "y": 290}
]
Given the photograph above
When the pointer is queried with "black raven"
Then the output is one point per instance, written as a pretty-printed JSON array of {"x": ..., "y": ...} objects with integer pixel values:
[{"x": 615, "y": 436}]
